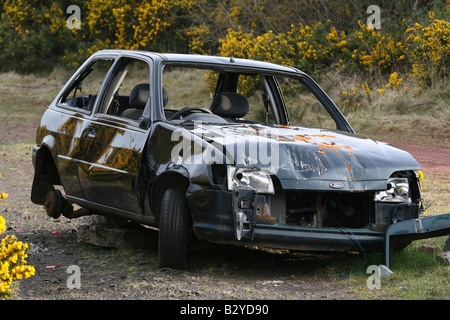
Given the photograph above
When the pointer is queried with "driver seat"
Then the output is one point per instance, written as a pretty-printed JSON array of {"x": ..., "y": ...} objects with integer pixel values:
[{"x": 230, "y": 105}]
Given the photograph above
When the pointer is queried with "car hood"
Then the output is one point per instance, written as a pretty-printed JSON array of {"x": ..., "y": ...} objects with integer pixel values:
[{"x": 304, "y": 158}]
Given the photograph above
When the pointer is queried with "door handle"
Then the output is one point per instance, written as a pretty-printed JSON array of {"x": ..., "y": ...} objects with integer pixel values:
[{"x": 90, "y": 132}]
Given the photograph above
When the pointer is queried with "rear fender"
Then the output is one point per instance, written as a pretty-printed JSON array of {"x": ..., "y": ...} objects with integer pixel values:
[{"x": 45, "y": 174}]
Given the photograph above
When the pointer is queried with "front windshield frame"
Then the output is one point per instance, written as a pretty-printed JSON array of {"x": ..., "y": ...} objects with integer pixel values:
[{"x": 269, "y": 82}]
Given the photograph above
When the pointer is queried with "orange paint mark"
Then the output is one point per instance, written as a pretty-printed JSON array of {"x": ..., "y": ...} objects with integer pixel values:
[
  {"x": 300, "y": 138},
  {"x": 265, "y": 216},
  {"x": 351, "y": 153},
  {"x": 322, "y": 136},
  {"x": 329, "y": 146},
  {"x": 321, "y": 151},
  {"x": 325, "y": 146}
]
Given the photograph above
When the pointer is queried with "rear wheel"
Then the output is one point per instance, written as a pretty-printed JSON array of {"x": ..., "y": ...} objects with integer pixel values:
[
  {"x": 56, "y": 204},
  {"x": 173, "y": 227}
]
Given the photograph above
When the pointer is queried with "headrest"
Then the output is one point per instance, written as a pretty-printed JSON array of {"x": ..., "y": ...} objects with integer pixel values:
[
  {"x": 230, "y": 105},
  {"x": 139, "y": 96}
]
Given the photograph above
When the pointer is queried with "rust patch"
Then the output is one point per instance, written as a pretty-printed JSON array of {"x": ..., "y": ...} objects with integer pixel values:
[
  {"x": 265, "y": 217},
  {"x": 349, "y": 167}
]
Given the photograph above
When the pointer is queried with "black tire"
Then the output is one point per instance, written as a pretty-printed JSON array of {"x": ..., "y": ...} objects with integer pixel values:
[{"x": 173, "y": 227}]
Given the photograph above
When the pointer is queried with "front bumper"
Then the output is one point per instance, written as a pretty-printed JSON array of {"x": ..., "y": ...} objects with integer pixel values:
[
  {"x": 313, "y": 239},
  {"x": 244, "y": 224},
  {"x": 414, "y": 229}
]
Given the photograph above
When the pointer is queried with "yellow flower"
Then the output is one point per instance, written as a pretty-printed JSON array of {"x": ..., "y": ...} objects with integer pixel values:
[
  {"x": 420, "y": 173},
  {"x": 420, "y": 178},
  {"x": 366, "y": 88},
  {"x": 393, "y": 77},
  {"x": 2, "y": 224},
  {"x": 12, "y": 262}
]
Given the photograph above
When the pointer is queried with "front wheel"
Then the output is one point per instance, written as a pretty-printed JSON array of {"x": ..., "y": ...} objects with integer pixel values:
[{"x": 173, "y": 227}]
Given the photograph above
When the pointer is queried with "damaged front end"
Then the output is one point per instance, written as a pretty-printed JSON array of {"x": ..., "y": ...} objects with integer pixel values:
[
  {"x": 265, "y": 214},
  {"x": 349, "y": 198}
]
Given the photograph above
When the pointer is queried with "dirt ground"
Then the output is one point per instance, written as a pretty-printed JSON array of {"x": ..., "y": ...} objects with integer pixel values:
[{"x": 131, "y": 273}]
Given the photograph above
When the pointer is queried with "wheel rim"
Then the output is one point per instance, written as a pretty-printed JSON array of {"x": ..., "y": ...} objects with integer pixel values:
[{"x": 53, "y": 204}]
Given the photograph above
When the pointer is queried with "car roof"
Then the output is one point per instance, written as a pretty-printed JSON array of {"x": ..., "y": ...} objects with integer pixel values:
[{"x": 219, "y": 61}]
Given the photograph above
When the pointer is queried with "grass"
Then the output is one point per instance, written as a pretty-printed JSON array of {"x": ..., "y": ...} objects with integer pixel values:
[
  {"x": 436, "y": 192},
  {"x": 182, "y": 93},
  {"x": 422, "y": 118},
  {"x": 417, "y": 274},
  {"x": 23, "y": 99}
]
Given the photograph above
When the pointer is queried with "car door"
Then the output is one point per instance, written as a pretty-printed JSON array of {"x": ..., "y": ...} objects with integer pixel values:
[
  {"x": 113, "y": 141},
  {"x": 74, "y": 109}
]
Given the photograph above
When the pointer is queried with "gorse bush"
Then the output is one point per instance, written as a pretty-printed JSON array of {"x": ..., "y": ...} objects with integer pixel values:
[
  {"x": 425, "y": 53},
  {"x": 429, "y": 51},
  {"x": 12, "y": 263},
  {"x": 33, "y": 35},
  {"x": 317, "y": 47},
  {"x": 12, "y": 259},
  {"x": 314, "y": 36},
  {"x": 128, "y": 25}
]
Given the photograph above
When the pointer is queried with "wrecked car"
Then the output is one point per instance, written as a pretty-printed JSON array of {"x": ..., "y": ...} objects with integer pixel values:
[{"x": 224, "y": 150}]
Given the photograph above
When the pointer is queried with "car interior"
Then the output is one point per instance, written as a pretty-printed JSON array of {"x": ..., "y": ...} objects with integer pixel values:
[{"x": 189, "y": 95}]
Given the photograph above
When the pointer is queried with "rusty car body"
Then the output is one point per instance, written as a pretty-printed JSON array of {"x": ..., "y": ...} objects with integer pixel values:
[{"x": 204, "y": 147}]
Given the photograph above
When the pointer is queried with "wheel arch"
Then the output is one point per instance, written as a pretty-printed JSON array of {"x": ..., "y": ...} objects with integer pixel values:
[
  {"x": 172, "y": 178},
  {"x": 45, "y": 174}
]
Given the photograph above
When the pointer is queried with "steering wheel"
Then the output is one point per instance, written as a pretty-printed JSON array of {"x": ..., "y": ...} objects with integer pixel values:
[{"x": 180, "y": 112}]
